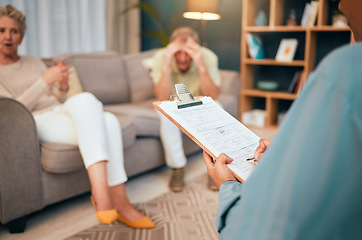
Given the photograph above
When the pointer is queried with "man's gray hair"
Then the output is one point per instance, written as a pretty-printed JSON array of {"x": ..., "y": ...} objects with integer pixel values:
[{"x": 184, "y": 33}]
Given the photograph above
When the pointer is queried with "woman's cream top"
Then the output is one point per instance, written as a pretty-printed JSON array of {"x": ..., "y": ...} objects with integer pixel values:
[{"x": 23, "y": 81}]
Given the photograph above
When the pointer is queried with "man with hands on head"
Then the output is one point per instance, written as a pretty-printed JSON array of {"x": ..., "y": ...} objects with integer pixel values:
[
  {"x": 185, "y": 50},
  {"x": 307, "y": 184},
  {"x": 182, "y": 61}
]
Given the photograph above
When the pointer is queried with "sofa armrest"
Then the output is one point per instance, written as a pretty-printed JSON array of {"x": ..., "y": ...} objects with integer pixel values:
[
  {"x": 20, "y": 179},
  {"x": 230, "y": 82},
  {"x": 230, "y": 91}
]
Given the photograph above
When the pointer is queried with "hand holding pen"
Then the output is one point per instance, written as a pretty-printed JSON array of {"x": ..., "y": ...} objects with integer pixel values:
[{"x": 263, "y": 145}]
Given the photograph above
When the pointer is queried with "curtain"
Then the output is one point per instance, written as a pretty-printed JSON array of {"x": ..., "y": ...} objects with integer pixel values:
[
  {"x": 123, "y": 30},
  {"x": 61, "y": 26}
]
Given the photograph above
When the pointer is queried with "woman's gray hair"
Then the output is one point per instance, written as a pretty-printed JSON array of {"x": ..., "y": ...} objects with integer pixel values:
[
  {"x": 184, "y": 33},
  {"x": 12, "y": 12}
]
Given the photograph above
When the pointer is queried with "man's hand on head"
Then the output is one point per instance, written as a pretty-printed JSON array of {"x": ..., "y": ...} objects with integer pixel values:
[
  {"x": 171, "y": 49},
  {"x": 194, "y": 50}
]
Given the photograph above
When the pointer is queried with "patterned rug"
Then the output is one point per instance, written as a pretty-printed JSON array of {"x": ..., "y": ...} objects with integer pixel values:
[{"x": 188, "y": 215}]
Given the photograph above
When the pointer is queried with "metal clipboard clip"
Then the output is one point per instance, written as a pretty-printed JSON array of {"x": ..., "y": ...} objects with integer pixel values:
[{"x": 185, "y": 97}]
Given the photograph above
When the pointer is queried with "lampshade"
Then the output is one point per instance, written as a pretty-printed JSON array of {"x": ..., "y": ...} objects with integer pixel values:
[{"x": 202, "y": 9}]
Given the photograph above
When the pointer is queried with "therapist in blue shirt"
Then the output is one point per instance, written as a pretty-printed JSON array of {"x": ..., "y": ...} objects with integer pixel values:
[{"x": 308, "y": 184}]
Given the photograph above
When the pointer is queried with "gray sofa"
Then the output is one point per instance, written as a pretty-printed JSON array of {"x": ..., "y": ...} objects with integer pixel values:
[{"x": 34, "y": 175}]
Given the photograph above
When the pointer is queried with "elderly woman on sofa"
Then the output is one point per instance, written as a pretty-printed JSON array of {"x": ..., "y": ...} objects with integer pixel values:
[{"x": 80, "y": 120}]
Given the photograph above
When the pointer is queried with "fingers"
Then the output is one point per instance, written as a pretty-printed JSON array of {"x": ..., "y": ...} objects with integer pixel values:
[
  {"x": 61, "y": 65},
  {"x": 65, "y": 74},
  {"x": 259, "y": 153},
  {"x": 192, "y": 45},
  {"x": 193, "y": 49},
  {"x": 223, "y": 159},
  {"x": 63, "y": 70},
  {"x": 191, "y": 42},
  {"x": 258, "y": 157},
  {"x": 208, "y": 160},
  {"x": 263, "y": 145},
  {"x": 220, "y": 172},
  {"x": 61, "y": 62},
  {"x": 170, "y": 51},
  {"x": 56, "y": 73},
  {"x": 173, "y": 47},
  {"x": 191, "y": 52}
]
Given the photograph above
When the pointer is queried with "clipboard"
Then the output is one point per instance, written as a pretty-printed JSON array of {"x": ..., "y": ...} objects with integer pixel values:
[{"x": 214, "y": 130}]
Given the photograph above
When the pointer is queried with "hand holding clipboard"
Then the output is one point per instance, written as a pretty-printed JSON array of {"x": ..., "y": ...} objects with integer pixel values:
[{"x": 213, "y": 129}]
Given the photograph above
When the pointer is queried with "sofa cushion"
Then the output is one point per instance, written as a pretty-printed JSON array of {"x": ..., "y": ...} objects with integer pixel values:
[
  {"x": 141, "y": 84},
  {"x": 60, "y": 158},
  {"x": 104, "y": 75},
  {"x": 145, "y": 119},
  {"x": 66, "y": 158},
  {"x": 128, "y": 129}
]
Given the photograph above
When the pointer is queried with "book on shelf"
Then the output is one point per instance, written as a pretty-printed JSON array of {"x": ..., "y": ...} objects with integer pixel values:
[
  {"x": 300, "y": 84},
  {"x": 255, "y": 46},
  {"x": 310, "y": 14},
  {"x": 305, "y": 15},
  {"x": 294, "y": 81}
]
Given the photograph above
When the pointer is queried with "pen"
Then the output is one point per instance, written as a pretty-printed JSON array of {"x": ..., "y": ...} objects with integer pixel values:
[{"x": 249, "y": 159}]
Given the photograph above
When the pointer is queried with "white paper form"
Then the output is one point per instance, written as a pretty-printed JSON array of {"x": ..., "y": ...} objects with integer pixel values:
[{"x": 218, "y": 131}]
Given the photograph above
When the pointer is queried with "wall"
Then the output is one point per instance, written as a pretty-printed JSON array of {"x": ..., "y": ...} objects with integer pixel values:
[{"x": 223, "y": 35}]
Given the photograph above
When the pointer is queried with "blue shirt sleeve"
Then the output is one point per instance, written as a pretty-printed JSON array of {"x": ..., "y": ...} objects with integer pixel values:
[
  {"x": 229, "y": 194},
  {"x": 308, "y": 184}
]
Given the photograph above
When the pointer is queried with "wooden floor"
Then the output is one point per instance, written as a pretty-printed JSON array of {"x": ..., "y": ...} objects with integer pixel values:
[{"x": 64, "y": 219}]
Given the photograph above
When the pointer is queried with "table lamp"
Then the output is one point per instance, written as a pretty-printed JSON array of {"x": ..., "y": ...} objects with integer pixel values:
[{"x": 203, "y": 10}]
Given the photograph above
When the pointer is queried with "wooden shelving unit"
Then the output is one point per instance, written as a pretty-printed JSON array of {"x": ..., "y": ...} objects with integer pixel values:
[{"x": 276, "y": 25}]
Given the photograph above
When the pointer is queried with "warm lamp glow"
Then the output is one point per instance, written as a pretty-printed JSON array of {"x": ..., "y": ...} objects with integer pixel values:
[
  {"x": 201, "y": 15},
  {"x": 202, "y": 9}
]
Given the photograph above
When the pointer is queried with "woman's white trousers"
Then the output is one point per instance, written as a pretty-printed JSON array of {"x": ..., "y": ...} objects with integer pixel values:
[{"x": 81, "y": 121}]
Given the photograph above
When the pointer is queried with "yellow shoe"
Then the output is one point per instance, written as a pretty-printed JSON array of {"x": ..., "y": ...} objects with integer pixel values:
[
  {"x": 144, "y": 222},
  {"x": 107, "y": 216}
]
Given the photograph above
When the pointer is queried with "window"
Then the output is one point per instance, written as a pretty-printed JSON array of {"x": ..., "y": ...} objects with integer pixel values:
[{"x": 61, "y": 26}]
